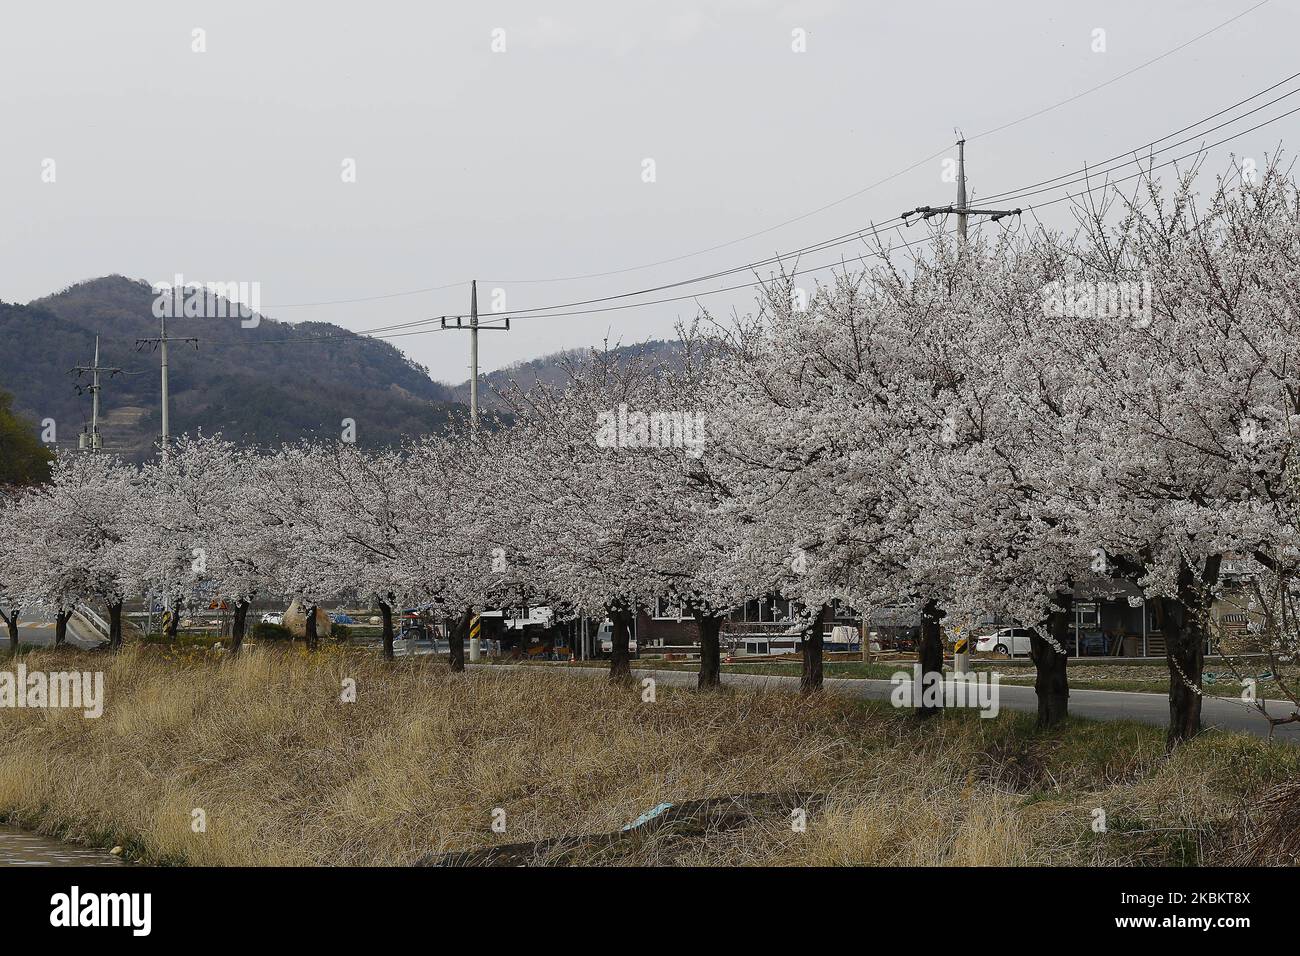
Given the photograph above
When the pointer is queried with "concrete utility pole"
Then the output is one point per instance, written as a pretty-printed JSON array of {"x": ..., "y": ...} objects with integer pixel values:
[
  {"x": 93, "y": 442},
  {"x": 961, "y": 189},
  {"x": 473, "y": 354},
  {"x": 474, "y": 329},
  {"x": 162, "y": 341},
  {"x": 960, "y": 207}
]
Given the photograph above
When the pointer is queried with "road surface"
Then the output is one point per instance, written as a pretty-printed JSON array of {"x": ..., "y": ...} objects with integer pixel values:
[
  {"x": 1225, "y": 713},
  {"x": 37, "y": 628}
]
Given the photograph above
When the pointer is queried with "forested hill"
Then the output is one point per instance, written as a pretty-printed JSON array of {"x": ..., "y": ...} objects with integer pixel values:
[{"x": 271, "y": 383}]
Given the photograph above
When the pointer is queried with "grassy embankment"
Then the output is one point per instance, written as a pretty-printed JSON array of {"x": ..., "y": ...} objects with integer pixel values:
[{"x": 286, "y": 773}]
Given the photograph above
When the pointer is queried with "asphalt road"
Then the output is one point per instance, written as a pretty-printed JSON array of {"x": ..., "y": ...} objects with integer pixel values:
[
  {"x": 37, "y": 628},
  {"x": 1226, "y": 713}
]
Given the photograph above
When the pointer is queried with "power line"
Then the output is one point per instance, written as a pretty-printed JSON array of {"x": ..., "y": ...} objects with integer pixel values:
[
  {"x": 1115, "y": 79},
  {"x": 820, "y": 209},
  {"x": 1092, "y": 173},
  {"x": 980, "y": 135},
  {"x": 417, "y": 326},
  {"x": 848, "y": 237},
  {"x": 832, "y": 265}
]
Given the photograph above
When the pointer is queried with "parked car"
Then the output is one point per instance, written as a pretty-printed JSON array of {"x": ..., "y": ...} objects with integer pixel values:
[
  {"x": 273, "y": 617},
  {"x": 1009, "y": 642}
]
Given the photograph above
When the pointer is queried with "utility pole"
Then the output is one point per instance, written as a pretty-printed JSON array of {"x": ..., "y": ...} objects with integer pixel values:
[
  {"x": 161, "y": 342},
  {"x": 474, "y": 329},
  {"x": 961, "y": 189},
  {"x": 473, "y": 355},
  {"x": 960, "y": 207},
  {"x": 94, "y": 369}
]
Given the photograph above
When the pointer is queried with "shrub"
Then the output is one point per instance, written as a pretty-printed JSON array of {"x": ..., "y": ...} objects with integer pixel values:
[{"x": 262, "y": 631}]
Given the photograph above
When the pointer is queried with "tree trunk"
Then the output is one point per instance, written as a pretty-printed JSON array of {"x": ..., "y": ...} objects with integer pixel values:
[
  {"x": 238, "y": 624},
  {"x": 620, "y": 662},
  {"x": 174, "y": 624},
  {"x": 929, "y": 654},
  {"x": 11, "y": 622},
  {"x": 115, "y": 624},
  {"x": 710, "y": 650},
  {"x": 1185, "y": 621},
  {"x": 1051, "y": 682},
  {"x": 309, "y": 627},
  {"x": 456, "y": 639},
  {"x": 810, "y": 679},
  {"x": 386, "y": 612},
  {"x": 61, "y": 627}
]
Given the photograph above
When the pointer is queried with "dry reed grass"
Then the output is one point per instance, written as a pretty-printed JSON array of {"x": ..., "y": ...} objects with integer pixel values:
[{"x": 286, "y": 773}]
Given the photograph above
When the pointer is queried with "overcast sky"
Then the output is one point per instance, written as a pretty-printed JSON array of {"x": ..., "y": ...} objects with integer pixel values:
[{"x": 229, "y": 164}]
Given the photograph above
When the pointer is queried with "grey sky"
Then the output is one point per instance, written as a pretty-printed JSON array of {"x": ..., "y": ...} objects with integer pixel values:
[{"x": 226, "y": 165}]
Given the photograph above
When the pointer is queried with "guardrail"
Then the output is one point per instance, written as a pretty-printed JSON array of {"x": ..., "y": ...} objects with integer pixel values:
[{"x": 89, "y": 614}]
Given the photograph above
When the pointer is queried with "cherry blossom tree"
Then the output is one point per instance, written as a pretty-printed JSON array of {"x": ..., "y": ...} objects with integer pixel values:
[
  {"x": 187, "y": 538},
  {"x": 702, "y": 564},
  {"x": 590, "y": 462},
  {"x": 994, "y": 467},
  {"x": 216, "y": 490},
  {"x": 364, "y": 522},
  {"x": 1199, "y": 393},
  {"x": 19, "y": 510},
  {"x": 69, "y": 532},
  {"x": 898, "y": 443},
  {"x": 297, "y": 506},
  {"x": 449, "y": 527},
  {"x": 815, "y": 420}
]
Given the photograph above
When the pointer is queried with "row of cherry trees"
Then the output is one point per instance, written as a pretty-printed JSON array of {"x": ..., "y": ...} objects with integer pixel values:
[{"x": 980, "y": 430}]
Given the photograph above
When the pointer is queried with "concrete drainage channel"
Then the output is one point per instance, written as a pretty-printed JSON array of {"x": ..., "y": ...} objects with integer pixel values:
[
  {"x": 19, "y": 847},
  {"x": 685, "y": 821}
]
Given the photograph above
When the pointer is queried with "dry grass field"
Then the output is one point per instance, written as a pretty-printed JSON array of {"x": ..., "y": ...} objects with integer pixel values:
[{"x": 285, "y": 772}]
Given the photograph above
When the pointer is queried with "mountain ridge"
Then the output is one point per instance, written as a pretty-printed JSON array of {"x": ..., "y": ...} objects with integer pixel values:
[
  {"x": 271, "y": 383},
  {"x": 263, "y": 385}
]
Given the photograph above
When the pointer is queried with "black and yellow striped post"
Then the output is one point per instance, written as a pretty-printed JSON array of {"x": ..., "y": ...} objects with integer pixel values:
[
  {"x": 961, "y": 656},
  {"x": 475, "y": 645}
]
